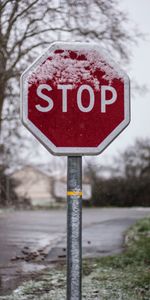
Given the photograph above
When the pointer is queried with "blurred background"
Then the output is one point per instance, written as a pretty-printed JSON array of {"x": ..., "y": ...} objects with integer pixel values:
[{"x": 29, "y": 175}]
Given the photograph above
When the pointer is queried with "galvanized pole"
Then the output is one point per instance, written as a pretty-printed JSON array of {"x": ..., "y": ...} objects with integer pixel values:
[{"x": 74, "y": 228}]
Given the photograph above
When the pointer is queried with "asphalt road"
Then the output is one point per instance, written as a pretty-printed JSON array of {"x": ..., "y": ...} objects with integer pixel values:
[
  {"x": 102, "y": 230},
  {"x": 33, "y": 236}
]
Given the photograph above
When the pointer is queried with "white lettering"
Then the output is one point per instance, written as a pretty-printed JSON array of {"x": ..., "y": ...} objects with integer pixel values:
[
  {"x": 45, "y": 98},
  {"x": 64, "y": 88},
  {"x": 104, "y": 101},
  {"x": 79, "y": 98}
]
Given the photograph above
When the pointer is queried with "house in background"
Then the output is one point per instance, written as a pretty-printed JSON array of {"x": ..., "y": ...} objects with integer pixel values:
[
  {"x": 42, "y": 188},
  {"x": 34, "y": 185}
]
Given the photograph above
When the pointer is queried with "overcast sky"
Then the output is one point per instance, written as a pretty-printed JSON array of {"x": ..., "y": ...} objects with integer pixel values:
[{"x": 139, "y": 69}]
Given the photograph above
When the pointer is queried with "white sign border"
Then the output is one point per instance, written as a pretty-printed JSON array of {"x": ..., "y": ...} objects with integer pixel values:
[{"x": 39, "y": 135}]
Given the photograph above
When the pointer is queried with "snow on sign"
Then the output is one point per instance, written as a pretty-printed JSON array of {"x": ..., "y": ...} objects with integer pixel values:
[{"x": 75, "y": 99}]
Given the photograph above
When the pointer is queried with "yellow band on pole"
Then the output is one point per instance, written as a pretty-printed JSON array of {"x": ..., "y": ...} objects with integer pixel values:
[{"x": 74, "y": 193}]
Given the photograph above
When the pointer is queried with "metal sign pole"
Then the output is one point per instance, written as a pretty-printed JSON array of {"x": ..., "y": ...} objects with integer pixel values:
[{"x": 74, "y": 228}]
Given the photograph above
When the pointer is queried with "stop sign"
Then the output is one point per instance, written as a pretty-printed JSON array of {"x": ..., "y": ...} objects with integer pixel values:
[{"x": 75, "y": 99}]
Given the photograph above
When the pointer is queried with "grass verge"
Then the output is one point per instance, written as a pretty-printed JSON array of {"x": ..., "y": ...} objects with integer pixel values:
[{"x": 120, "y": 277}]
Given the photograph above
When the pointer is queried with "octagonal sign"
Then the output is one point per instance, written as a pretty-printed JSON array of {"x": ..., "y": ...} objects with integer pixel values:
[{"x": 75, "y": 99}]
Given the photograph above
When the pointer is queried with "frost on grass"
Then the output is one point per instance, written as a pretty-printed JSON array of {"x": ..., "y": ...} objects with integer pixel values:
[
  {"x": 73, "y": 67},
  {"x": 121, "y": 277},
  {"x": 100, "y": 284},
  {"x": 52, "y": 285}
]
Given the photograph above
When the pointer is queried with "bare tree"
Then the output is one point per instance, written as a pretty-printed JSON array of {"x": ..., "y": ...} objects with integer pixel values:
[
  {"x": 135, "y": 161},
  {"x": 128, "y": 183},
  {"x": 27, "y": 26}
]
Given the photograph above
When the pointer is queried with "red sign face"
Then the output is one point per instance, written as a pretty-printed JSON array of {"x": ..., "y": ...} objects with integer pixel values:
[{"x": 75, "y": 100}]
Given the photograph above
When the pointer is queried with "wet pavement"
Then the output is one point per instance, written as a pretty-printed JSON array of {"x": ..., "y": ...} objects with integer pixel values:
[
  {"x": 14, "y": 274},
  {"x": 32, "y": 240}
]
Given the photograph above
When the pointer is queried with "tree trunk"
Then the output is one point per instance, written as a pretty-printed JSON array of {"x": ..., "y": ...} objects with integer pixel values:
[{"x": 1, "y": 108}]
